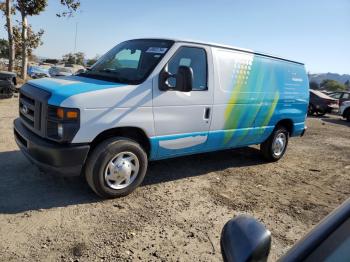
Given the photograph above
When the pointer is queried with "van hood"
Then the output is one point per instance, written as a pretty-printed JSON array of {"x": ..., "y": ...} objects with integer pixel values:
[{"x": 62, "y": 88}]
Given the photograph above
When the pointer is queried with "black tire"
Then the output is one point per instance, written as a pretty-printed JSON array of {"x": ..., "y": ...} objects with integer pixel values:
[
  {"x": 311, "y": 110},
  {"x": 266, "y": 148},
  {"x": 347, "y": 115},
  {"x": 320, "y": 112},
  {"x": 6, "y": 89},
  {"x": 100, "y": 157}
]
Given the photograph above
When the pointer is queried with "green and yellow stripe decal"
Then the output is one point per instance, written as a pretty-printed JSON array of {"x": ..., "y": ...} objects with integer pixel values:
[{"x": 253, "y": 79}]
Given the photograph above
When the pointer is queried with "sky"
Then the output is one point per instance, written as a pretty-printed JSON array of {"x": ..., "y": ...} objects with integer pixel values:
[{"x": 315, "y": 32}]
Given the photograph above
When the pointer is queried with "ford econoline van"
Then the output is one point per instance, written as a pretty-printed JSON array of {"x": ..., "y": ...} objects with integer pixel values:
[{"x": 151, "y": 99}]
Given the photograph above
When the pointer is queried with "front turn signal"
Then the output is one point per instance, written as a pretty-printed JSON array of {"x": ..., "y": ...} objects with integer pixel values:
[{"x": 72, "y": 114}]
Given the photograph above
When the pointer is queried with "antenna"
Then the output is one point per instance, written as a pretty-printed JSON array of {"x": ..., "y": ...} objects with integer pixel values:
[{"x": 76, "y": 33}]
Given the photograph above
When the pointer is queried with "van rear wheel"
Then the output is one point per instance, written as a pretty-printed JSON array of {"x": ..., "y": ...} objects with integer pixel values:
[
  {"x": 275, "y": 146},
  {"x": 116, "y": 167}
]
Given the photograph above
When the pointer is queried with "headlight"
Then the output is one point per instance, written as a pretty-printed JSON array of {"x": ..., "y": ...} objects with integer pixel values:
[{"x": 62, "y": 123}]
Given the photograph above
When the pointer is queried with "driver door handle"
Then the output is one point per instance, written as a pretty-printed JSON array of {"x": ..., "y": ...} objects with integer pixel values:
[{"x": 207, "y": 113}]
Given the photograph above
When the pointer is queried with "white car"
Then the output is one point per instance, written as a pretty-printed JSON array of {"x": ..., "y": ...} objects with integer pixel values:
[
  {"x": 60, "y": 71},
  {"x": 344, "y": 110}
]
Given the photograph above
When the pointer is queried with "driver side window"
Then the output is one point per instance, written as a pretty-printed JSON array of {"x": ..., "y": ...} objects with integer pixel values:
[{"x": 194, "y": 58}]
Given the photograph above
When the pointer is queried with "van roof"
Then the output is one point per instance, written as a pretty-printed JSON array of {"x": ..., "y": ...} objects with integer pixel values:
[{"x": 225, "y": 47}]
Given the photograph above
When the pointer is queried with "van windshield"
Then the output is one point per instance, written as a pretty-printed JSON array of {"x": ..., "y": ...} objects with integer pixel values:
[{"x": 130, "y": 62}]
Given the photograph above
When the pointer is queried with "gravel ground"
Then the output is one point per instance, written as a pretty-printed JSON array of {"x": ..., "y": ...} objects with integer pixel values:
[{"x": 179, "y": 211}]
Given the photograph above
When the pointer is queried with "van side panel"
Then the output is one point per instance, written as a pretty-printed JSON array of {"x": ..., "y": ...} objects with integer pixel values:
[
  {"x": 292, "y": 96},
  {"x": 253, "y": 93}
]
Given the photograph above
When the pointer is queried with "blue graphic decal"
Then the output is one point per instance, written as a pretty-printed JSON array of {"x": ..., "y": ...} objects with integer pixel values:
[
  {"x": 63, "y": 87},
  {"x": 213, "y": 143}
]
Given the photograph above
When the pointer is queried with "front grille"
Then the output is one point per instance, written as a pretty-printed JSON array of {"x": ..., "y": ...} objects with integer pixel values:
[
  {"x": 30, "y": 111},
  {"x": 33, "y": 107}
]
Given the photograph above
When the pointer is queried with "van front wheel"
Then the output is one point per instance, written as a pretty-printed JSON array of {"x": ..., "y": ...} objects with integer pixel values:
[
  {"x": 116, "y": 167},
  {"x": 275, "y": 146}
]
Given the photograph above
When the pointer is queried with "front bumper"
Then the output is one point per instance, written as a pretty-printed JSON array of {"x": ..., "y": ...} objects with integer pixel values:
[
  {"x": 51, "y": 157},
  {"x": 333, "y": 109}
]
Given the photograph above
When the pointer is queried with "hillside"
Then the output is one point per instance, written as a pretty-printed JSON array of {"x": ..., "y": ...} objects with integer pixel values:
[{"x": 332, "y": 76}]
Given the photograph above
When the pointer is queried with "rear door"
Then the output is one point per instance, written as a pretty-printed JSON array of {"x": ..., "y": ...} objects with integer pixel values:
[{"x": 182, "y": 119}]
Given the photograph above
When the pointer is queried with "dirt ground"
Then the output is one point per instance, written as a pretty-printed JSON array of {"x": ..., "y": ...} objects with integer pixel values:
[{"x": 179, "y": 211}]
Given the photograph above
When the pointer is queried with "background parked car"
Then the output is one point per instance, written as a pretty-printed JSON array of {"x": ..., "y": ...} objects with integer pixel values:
[
  {"x": 60, "y": 71},
  {"x": 344, "y": 110},
  {"x": 38, "y": 71},
  {"x": 65, "y": 69},
  {"x": 342, "y": 96},
  {"x": 320, "y": 103},
  {"x": 74, "y": 67},
  {"x": 7, "y": 84}
]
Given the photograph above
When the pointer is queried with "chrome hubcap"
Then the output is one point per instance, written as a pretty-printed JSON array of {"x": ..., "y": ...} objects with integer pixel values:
[
  {"x": 279, "y": 144},
  {"x": 122, "y": 170}
]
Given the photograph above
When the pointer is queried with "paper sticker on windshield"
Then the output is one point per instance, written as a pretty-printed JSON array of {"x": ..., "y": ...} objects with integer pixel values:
[{"x": 157, "y": 50}]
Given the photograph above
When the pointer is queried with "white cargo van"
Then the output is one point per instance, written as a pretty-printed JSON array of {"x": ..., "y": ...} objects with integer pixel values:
[{"x": 151, "y": 99}]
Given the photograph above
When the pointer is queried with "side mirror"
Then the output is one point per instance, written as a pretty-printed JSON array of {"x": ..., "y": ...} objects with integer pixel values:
[
  {"x": 244, "y": 239},
  {"x": 184, "y": 79}
]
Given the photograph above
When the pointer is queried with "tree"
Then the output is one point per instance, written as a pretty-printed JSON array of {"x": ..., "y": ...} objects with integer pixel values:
[
  {"x": 27, "y": 8},
  {"x": 332, "y": 85},
  {"x": 92, "y": 61},
  {"x": 71, "y": 5},
  {"x": 80, "y": 58},
  {"x": 33, "y": 58},
  {"x": 77, "y": 58},
  {"x": 314, "y": 85},
  {"x": 347, "y": 84},
  {"x": 11, "y": 56},
  {"x": 8, "y": 10},
  {"x": 33, "y": 40},
  {"x": 4, "y": 48},
  {"x": 31, "y": 8},
  {"x": 69, "y": 58}
]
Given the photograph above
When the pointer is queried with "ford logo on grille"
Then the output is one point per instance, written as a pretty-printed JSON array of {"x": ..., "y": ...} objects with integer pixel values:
[{"x": 25, "y": 109}]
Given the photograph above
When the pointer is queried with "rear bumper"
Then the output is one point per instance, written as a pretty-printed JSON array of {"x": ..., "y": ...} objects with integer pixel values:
[
  {"x": 331, "y": 109},
  {"x": 324, "y": 108},
  {"x": 299, "y": 129},
  {"x": 65, "y": 160}
]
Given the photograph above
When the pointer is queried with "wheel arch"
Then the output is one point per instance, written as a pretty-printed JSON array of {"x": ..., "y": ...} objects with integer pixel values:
[
  {"x": 346, "y": 112},
  {"x": 287, "y": 123},
  {"x": 135, "y": 133}
]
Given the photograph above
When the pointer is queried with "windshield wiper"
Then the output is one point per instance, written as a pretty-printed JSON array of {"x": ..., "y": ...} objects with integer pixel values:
[
  {"x": 108, "y": 70},
  {"x": 114, "y": 76}
]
